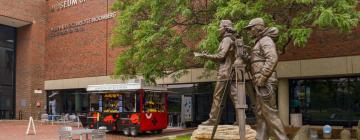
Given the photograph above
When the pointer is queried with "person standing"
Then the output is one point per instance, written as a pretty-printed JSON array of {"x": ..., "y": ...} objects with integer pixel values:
[{"x": 52, "y": 105}]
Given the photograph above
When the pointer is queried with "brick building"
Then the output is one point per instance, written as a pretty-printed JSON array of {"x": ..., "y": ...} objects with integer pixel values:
[
  {"x": 53, "y": 49},
  {"x": 40, "y": 33}
]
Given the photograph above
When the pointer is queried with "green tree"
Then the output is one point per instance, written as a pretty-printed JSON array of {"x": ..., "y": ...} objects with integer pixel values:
[{"x": 160, "y": 35}]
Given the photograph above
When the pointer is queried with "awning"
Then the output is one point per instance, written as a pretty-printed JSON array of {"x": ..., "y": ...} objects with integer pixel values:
[
  {"x": 5, "y": 20},
  {"x": 123, "y": 87}
]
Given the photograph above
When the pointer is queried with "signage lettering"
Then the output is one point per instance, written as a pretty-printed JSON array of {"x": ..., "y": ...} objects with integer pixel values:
[
  {"x": 65, "y": 4},
  {"x": 76, "y": 26}
]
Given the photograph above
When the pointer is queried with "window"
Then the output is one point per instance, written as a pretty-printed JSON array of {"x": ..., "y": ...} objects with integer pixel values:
[
  {"x": 118, "y": 102},
  {"x": 129, "y": 102},
  {"x": 112, "y": 103},
  {"x": 7, "y": 72},
  {"x": 154, "y": 102},
  {"x": 68, "y": 101},
  {"x": 333, "y": 101}
]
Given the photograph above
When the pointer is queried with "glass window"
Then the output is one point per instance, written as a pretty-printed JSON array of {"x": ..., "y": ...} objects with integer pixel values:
[
  {"x": 113, "y": 103},
  {"x": 326, "y": 101},
  {"x": 118, "y": 102},
  {"x": 7, "y": 72},
  {"x": 154, "y": 102},
  {"x": 354, "y": 98},
  {"x": 68, "y": 101},
  {"x": 129, "y": 102}
]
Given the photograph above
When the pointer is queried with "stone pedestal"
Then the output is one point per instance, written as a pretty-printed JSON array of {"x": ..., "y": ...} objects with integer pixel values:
[{"x": 223, "y": 132}]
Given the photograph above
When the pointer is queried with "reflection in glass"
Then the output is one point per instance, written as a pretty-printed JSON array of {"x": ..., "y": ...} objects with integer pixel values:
[
  {"x": 334, "y": 101},
  {"x": 7, "y": 72}
]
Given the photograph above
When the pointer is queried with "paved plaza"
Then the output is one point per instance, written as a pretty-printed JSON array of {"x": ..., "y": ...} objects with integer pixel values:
[{"x": 16, "y": 130}]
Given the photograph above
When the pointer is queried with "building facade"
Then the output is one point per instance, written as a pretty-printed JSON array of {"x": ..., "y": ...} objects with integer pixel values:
[{"x": 51, "y": 50}]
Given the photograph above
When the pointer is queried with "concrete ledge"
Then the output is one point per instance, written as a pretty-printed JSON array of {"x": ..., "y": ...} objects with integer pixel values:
[{"x": 335, "y": 66}]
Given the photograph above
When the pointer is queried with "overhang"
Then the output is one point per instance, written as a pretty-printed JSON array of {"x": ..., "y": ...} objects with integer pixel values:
[{"x": 13, "y": 22}]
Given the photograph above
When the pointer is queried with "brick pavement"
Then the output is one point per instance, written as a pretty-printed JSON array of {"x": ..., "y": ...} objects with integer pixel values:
[{"x": 15, "y": 130}]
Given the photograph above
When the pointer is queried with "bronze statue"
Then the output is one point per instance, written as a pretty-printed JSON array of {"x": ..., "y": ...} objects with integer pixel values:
[
  {"x": 263, "y": 59},
  {"x": 225, "y": 57}
]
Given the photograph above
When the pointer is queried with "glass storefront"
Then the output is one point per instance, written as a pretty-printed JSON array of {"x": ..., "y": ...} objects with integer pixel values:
[
  {"x": 68, "y": 101},
  {"x": 7, "y": 72},
  {"x": 334, "y": 101},
  {"x": 202, "y": 96}
]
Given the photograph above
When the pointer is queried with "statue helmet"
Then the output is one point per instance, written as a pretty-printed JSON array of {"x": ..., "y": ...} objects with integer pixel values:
[
  {"x": 227, "y": 24},
  {"x": 254, "y": 22}
]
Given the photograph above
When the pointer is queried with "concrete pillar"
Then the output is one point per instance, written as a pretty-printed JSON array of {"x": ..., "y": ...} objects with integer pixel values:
[{"x": 283, "y": 100}]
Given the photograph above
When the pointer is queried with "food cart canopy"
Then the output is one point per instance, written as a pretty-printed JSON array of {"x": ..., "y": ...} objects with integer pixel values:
[{"x": 123, "y": 87}]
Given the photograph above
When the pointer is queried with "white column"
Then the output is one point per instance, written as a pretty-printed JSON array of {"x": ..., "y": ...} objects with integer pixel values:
[{"x": 283, "y": 100}]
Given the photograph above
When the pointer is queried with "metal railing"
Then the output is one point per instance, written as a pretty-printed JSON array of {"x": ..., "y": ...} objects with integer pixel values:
[{"x": 6, "y": 114}]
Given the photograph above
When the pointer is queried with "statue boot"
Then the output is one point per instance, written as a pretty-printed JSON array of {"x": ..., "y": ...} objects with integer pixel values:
[
  {"x": 237, "y": 118},
  {"x": 236, "y": 123},
  {"x": 208, "y": 122}
]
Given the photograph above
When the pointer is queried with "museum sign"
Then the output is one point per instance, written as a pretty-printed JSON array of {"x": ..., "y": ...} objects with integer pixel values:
[
  {"x": 78, "y": 26},
  {"x": 65, "y": 4}
]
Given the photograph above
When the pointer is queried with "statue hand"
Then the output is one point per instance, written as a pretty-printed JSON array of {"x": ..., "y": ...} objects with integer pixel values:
[
  {"x": 239, "y": 42},
  {"x": 196, "y": 54},
  {"x": 259, "y": 80}
]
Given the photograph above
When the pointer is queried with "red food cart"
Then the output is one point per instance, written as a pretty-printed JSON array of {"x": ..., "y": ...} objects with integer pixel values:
[{"x": 131, "y": 108}]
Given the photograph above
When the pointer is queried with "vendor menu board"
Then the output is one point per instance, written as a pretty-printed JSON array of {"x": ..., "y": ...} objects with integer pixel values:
[
  {"x": 113, "y": 103},
  {"x": 154, "y": 102}
]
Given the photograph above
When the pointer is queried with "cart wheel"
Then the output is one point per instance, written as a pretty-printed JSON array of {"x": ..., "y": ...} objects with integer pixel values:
[
  {"x": 126, "y": 131},
  {"x": 157, "y": 131},
  {"x": 133, "y": 131}
]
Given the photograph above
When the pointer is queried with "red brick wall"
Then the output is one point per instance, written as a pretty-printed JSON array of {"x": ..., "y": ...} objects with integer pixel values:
[
  {"x": 326, "y": 44},
  {"x": 87, "y": 53},
  {"x": 80, "y": 54},
  {"x": 29, "y": 52}
]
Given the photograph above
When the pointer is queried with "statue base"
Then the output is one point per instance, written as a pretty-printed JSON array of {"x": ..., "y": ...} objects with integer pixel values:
[{"x": 223, "y": 132}]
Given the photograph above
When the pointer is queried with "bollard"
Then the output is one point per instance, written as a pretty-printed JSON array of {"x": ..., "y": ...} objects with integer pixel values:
[
  {"x": 313, "y": 135},
  {"x": 20, "y": 115},
  {"x": 345, "y": 135},
  {"x": 303, "y": 133}
]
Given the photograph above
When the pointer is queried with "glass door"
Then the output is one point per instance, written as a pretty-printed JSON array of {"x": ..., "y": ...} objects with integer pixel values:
[{"x": 7, "y": 72}]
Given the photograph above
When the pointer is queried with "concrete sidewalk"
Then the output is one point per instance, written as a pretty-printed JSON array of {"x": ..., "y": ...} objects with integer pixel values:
[{"x": 16, "y": 130}]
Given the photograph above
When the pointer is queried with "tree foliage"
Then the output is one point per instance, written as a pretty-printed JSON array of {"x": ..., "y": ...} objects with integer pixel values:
[{"x": 160, "y": 35}]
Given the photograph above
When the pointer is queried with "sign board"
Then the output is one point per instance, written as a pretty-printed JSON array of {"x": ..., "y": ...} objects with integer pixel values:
[
  {"x": 23, "y": 103},
  {"x": 113, "y": 87},
  {"x": 37, "y": 91},
  {"x": 187, "y": 108},
  {"x": 31, "y": 123},
  {"x": 77, "y": 26},
  {"x": 122, "y": 87},
  {"x": 65, "y": 4}
]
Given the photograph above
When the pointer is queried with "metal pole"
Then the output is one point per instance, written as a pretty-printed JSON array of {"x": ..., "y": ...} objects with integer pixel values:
[{"x": 241, "y": 102}]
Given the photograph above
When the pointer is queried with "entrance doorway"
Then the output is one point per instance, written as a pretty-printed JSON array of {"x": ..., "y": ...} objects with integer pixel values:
[{"x": 7, "y": 72}]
